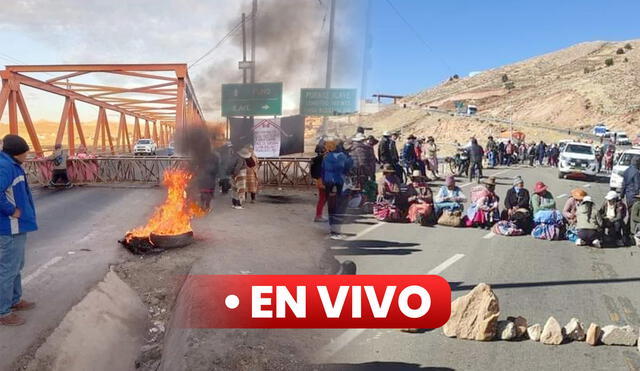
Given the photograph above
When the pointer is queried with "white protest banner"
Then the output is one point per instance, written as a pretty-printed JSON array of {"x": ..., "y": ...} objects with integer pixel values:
[{"x": 266, "y": 137}]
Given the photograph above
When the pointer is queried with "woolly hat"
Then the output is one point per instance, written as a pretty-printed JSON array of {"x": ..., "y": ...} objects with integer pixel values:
[{"x": 14, "y": 145}]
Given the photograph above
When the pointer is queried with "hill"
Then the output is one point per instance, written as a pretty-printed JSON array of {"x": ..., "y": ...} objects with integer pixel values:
[{"x": 571, "y": 89}]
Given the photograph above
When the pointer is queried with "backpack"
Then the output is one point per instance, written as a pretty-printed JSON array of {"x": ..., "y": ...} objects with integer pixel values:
[{"x": 316, "y": 167}]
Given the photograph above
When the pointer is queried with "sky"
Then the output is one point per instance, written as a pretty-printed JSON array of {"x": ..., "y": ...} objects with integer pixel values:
[{"x": 435, "y": 40}]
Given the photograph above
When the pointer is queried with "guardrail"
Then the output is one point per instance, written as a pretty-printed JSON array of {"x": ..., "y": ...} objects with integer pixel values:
[{"x": 281, "y": 172}]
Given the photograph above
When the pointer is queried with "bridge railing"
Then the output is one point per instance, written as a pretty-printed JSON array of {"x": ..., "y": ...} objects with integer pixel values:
[{"x": 281, "y": 172}]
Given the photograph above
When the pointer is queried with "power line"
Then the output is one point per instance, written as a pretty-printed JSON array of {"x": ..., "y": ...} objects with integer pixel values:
[{"x": 219, "y": 43}]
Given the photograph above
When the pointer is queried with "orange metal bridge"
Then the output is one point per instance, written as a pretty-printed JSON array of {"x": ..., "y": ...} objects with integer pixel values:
[{"x": 165, "y": 101}]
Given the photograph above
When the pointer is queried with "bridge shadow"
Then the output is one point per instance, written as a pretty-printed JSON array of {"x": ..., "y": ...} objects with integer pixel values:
[
  {"x": 378, "y": 366},
  {"x": 458, "y": 286}
]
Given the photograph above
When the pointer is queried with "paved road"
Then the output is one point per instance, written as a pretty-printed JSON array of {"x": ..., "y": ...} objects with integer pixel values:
[
  {"x": 532, "y": 278},
  {"x": 71, "y": 252}
]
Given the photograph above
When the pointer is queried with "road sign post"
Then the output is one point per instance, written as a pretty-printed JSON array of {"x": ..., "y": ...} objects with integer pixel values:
[
  {"x": 328, "y": 102},
  {"x": 262, "y": 99}
]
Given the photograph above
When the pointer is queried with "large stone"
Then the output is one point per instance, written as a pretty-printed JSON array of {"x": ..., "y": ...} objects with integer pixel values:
[
  {"x": 616, "y": 335},
  {"x": 521, "y": 325},
  {"x": 594, "y": 333},
  {"x": 534, "y": 332},
  {"x": 506, "y": 330},
  {"x": 552, "y": 333},
  {"x": 574, "y": 330},
  {"x": 474, "y": 316}
]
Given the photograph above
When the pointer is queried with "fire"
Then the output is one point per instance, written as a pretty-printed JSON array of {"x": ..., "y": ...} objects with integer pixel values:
[{"x": 174, "y": 216}]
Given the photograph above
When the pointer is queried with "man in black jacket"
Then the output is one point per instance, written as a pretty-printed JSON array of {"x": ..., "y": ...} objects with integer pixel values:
[
  {"x": 476, "y": 154},
  {"x": 384, "y": 149},
  {"x": 517, "y": 205}
]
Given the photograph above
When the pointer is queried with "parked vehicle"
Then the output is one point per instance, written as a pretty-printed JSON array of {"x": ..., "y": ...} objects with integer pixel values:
[
  {"x": 472, "y": 110},
  {"x": 563, "y": 143},
  {"x": 615, "y": 182},
  {"x": 636, "y": 140},
  {"x": 145, "y": 147},
  {"x": 600, "y": 130},
  {"x": 622, "y": 138},
  {"x": 577, "y": 159}
]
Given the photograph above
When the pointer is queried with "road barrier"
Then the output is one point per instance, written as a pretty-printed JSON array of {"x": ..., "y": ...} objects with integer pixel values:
[{"x": 281, "y": 172}]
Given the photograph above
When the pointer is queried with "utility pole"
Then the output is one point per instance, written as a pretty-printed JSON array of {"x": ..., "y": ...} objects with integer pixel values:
[
  {"x": 254, "y": 13},
  {"x": 327, "y": 83}
]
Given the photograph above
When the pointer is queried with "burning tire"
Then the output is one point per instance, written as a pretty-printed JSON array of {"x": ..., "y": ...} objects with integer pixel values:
[{"x": 171, "y": 241}]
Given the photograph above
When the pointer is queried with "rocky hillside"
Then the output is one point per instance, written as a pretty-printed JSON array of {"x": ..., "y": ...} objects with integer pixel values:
[{"x": 573, "y": 88}]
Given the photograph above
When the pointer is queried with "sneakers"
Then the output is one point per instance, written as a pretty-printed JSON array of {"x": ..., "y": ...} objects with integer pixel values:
[
  {"x": 597, "y": 244},
  {"x": 11, "y": 319},
  {"x": 319, "y": 219},
  {"x": 23, "y": 305},
  {"x": 337, "y": 236},
  {"x": 237, "y": 207},
  {"x": 579, "y": 242}
]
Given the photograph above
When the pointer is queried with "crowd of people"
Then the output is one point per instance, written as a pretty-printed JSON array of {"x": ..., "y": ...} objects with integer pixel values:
[{"x": 346, "y": 174}]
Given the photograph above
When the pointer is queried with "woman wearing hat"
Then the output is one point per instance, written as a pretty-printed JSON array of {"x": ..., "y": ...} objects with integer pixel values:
[
  {"x": 449, "y": 196},
  {"x": 389, "y": 184},
  {"x": 517, "y": 205},
  {"x": 542, "y": 199},
  {"x": 420, "y": 199},
  {"x": 484, "y": 212},
  {"x": 587, "y": 224},
  {"x": 612, "y": 214},
  {"x": 571, "y": 206}
]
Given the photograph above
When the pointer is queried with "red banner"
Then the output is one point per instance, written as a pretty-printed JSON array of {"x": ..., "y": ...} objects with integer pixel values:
[{"x": 297, "y": 301}]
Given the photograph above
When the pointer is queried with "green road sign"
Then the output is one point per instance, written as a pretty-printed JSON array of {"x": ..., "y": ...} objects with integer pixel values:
[
  {"x": 328, "y": 102},
  {"x": 263, "y": 99}
]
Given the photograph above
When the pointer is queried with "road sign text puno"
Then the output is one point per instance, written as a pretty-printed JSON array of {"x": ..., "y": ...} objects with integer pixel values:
[
  {"x": 261, "y": 99},
  {"x": 328, "y": 102}
]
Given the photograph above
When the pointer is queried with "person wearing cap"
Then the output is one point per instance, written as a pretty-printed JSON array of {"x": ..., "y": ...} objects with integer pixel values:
[
  {"x": 335, "y": 166},
  {"x": 484, "y": 211},
  {"x": 420, "y": 199},
  {"x": 409, "y": 154},
  {"x": 17, "y": 218},
  {"x": 59, "y": 175},
  {"x": 239, "y": 175},
  {"x": 587, "y": 224},
  {"x": 612, "y": 215},
  {"x": 571, "y": 206},
  {"x": 542, "y": 199},
  {"x": 517, "y": 197},
  {"x": 449, "y": 196},
  {"x": 634, "y": 220}
]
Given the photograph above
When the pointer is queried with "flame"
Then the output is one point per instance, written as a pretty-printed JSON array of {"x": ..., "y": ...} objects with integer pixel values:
[{"x": 174, "y": 215}]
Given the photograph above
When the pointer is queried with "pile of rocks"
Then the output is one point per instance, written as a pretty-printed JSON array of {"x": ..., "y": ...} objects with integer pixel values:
[{"x": 475, "y": 315}]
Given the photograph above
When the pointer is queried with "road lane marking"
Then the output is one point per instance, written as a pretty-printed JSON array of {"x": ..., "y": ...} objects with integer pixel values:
[
  {"x": 40, "y": 270},
  {"x": 365, "y": 231},
  {"x": 562, "y": 195},
  {"x": 489, "y": 235},
  {"x": 446, "y": 264},
  {"x": 348, "y": 336}
]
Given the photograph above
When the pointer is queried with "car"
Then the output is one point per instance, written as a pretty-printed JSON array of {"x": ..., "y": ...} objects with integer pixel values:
[
  {"x": 619, "y": 167},
  {"x": 622, "y": 138},
  {"x": 577, "y": 159},
  {"x": 145, "y": 147}
]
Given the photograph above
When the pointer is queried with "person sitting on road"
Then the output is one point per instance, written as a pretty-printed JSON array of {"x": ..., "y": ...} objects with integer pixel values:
[
  {"x": 449, "y": 196},
  {"x": 542, "y": 199},
  {"x": 634, "y": 220},
  {"x": 484, "y": 212},
  {"x": 389, "y": 184},
  {"x": 587, "y": 224},
  {"x": 59, "y": 158},
  {"x": 517, "y": 205},
  {"x": 570, "y": 207},
  {"x": 612, "y": 214},
  {"x": 420, "y": 199}
]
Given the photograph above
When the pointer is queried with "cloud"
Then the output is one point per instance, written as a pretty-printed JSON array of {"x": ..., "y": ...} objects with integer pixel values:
[{"x": 291, "y": 43}]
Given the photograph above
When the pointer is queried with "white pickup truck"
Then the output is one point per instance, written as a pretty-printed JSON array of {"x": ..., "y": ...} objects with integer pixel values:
[
  {"x": 145, "y": 147},
  {"x": 577, "y": 159}
]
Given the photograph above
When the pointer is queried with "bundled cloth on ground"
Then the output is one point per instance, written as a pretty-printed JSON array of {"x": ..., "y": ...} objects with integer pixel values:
[
  {"x": 549, "y": 225},
  {"x": 386, "y": 211},
  {"x": 506, "y": 228}
]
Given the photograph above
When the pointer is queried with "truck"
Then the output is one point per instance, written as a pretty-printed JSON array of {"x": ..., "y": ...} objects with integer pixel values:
[{"x": 600, "y": 130}]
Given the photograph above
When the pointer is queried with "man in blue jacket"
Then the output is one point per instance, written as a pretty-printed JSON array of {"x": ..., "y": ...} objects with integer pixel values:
[{"x": 17, "y": 218}]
